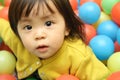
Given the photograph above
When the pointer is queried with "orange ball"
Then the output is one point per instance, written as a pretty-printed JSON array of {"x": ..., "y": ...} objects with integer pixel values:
[
  {"x": 67, "y": 77},
  {"x": 90, "y": 32},
  {"x": 7, "y": 77},
  {"x": 115, "y": 13},
  {"x": 114, "y": 76}
]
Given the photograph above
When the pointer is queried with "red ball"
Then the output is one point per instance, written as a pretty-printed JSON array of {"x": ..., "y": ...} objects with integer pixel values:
[
  {"x": 67, "y": 77},
  {"x": 115, "y": 13},
  {"x": 90, "y": 32},
  {"x": 7, "y": 3},
  {"x": 74, "y": 4},
  {"x": 114, "y": 76},
  {"x": 96, "y": 1},
  {"x": 7, "y": 77},
  {"x": 4, "y": 13},
  {"x": 3, "y": 46},
  {"x": 117, "y": 46}
]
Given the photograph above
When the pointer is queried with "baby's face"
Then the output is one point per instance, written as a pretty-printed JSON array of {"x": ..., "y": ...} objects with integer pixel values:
[{"x": 43, "y": 32}]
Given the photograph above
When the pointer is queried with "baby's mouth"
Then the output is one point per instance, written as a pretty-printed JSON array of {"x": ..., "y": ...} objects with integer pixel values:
[{"x": 42, "y": 48}]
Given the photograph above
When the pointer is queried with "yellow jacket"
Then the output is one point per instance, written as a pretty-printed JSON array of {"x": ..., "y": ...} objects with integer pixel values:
[{"x": 73, "y": 58}]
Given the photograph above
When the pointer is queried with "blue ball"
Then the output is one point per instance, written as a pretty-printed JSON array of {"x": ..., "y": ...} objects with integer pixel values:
[
  {"x": 118, "y": 36},
  {"x": 108, "y": 28},
  {"x": 102, "y": 46},
  {"x": 89, "y": 12}
]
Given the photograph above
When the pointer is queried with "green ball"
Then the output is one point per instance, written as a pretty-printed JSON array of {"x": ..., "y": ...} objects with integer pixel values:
[
  {"x": 113, "y": 62},
  {"x": 7, "y": 62},
  {"x": 107, "y": 5},
  {"x": 2, "y": 2}
]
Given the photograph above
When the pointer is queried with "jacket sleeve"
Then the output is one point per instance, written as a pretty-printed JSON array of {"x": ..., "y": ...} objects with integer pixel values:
[
  {"x": 4, "y": 30},
  {"x": 91, "y": 68}
]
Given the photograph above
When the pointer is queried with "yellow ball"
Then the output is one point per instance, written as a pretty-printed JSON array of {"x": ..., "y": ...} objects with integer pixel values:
[
  {"x": 1, "y": 7},
  {"x": 113, "y": 62},
  {"x": 103, "y": 17}
]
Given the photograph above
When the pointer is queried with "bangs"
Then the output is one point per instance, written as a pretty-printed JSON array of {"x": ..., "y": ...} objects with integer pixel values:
[
  {"x": 23, "y": 8},
  {"x": 41, "y": 5}
]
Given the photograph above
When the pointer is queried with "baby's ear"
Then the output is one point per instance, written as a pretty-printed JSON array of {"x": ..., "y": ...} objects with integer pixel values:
[{"x": 67, "y": 32}]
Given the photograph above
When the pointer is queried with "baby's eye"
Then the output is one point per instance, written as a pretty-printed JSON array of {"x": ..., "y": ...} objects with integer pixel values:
[
  {"x": 48, "y": 23},
  {"x": 28, "y": 27}
]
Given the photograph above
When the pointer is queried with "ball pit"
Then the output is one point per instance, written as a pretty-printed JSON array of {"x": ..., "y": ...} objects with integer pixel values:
[{"x": 105, "y": 10}]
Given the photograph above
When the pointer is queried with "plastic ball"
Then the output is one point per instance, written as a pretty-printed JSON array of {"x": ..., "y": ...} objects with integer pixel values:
[
  {"x": 1, "y": 7},
  {"x": 118, "y": 36},
  {"x": 115, "y": 13},
  {"x": 103, "y": 17},
  {"x": 74, "y": 4},
  {"x": 117, "y": 46},
  {"x": 113, "y": 62},
  {"x": 7, "y": 3},
  {"x": 102, "y": 46},
  {"x": 108, "y": 28},
  {"x": 4, "y": 13},
  {"x": 89, "y": 12},
  {"x": 7, "y": 62},
  {"x": 90, "y": 32},
  {"x": 7, "y": 77},
  {"x": 67, "y": 77},
  {"x": 3, "y": 46},
  {"x": 114, "y": 76},
  {"x": 107, "y": 5},
  {"x": 1, "y": 2},
  {"x": 76, "y": 12},
  {"x": 96, "y": 1}
]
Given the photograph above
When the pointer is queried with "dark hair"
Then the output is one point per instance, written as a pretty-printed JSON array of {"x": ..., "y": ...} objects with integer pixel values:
[{"x": 73, "y": 22}]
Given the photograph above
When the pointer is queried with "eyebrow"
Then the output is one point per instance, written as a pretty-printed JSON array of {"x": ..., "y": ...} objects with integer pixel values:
[
  {"x": 51, "y": 15},
  {"x": 25, "y": 20}
]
